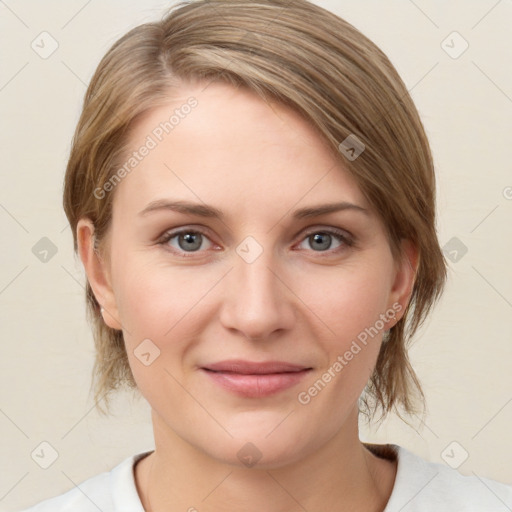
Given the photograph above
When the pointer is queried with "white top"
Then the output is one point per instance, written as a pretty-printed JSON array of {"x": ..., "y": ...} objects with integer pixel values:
[{"x": 420, "y": 486}]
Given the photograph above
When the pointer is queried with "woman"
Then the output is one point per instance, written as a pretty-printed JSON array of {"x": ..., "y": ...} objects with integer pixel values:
[{"x": 215, "y": 150}]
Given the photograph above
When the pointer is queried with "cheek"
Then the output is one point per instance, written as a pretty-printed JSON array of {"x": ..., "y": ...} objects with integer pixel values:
[
  {"x": 160, "y": 310},
  {"x": 153, "y": 295},
  {"x": 166, "y": 305},
  {"x": 346, "y": 300},
  {"x": 350, "y": 309},
  {"x": 349, "y": 303}
]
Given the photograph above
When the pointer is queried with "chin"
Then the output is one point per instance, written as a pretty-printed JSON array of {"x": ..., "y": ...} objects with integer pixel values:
[{"x": 257, "y": 449}]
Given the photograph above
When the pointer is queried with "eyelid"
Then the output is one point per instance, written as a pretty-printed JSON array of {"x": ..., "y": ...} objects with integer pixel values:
[
  {"x": 328, "y": 229},
  {"x": 172, "y": 233}
]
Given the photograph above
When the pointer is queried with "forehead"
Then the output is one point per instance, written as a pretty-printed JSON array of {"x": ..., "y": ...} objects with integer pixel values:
[{"x": 229, "y": 148}]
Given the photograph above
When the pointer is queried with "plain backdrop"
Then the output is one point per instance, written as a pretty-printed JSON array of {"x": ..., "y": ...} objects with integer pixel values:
[{"x": 462, "y": 355}]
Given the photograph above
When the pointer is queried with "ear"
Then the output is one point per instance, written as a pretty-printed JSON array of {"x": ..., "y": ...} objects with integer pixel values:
[
  {"x": 405, "y": 277},
  {"x": 98, "y": 273}
]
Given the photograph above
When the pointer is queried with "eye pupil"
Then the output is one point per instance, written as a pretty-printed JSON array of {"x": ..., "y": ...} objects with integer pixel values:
[
  {"x": 319, "y": 237},
  {"x": 191, "y": 240}
]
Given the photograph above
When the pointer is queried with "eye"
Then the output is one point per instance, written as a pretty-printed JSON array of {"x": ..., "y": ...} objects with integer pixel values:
[
  {"x": 187, "y": 240},
  {"x": 321, "y": 240}
]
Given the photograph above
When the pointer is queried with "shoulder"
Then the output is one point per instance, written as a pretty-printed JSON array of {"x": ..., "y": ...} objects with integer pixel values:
[
  {"x": 422, "y": 486},
  {"x": 91, "y": 495},
  {"x": 109, "y": 491}
]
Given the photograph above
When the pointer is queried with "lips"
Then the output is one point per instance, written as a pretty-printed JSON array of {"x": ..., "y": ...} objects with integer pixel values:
[
  {"x": 255, "y": 380},
  {"x": 254, "y": 368}
]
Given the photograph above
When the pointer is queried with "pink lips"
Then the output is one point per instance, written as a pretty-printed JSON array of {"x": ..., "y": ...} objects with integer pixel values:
[{"x": 252, "y": 379}]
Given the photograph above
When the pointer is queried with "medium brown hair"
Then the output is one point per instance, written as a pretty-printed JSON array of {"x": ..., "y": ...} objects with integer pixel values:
[{"x": 317, "y": 64}]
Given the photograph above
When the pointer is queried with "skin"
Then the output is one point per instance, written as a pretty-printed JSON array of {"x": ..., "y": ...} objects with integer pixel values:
[{"x": 297, "y": 302}]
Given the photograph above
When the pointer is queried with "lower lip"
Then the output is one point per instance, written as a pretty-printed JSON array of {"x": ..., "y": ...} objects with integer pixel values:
[{"x": 256, "y": 386}]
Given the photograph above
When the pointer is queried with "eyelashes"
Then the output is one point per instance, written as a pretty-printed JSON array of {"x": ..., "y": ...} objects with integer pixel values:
[{"x": 194, "y": 238}]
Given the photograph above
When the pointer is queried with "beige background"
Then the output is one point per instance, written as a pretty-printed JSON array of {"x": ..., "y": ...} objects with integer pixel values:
[{"x": 462, "y": 355}]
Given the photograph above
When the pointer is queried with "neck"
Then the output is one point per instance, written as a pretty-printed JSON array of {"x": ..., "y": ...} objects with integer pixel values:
[{"x": 341, "y": 475}]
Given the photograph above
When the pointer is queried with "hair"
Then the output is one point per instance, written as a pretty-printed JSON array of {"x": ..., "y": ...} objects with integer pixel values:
[{"x": 310, "y": 60}]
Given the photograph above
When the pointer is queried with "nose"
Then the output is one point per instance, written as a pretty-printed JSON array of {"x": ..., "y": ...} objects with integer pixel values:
[{"x": 256, "y": 298}]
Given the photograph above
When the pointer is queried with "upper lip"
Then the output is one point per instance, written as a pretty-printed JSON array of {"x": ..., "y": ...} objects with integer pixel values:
[{"x": 250, "y": 367}]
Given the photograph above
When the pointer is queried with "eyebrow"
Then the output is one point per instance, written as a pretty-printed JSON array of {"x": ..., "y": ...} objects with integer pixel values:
[{"x": 207, "y": 211}]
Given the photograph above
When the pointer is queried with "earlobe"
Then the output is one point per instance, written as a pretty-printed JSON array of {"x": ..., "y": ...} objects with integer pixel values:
[
  {"x": 97, "y": 272},
  {"x": 405, "y": 276}
]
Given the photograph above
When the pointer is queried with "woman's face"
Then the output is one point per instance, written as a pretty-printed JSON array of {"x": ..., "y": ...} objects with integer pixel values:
[{"x": 255, "y": 275}]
